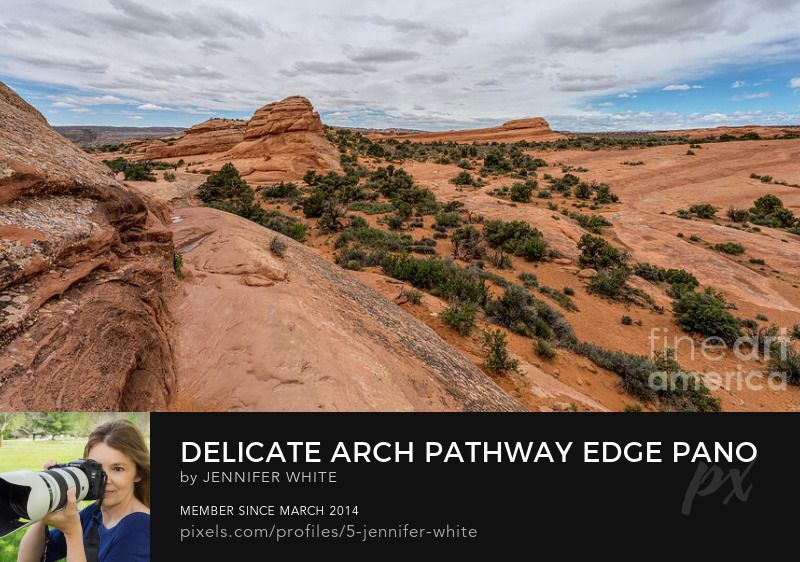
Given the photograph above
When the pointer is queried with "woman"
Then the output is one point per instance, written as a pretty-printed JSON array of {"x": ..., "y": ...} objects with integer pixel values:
[{"x": 120, "y": 522}]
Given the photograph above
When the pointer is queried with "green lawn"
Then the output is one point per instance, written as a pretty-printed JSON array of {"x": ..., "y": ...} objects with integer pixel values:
[{"x": 24, "y": 454}]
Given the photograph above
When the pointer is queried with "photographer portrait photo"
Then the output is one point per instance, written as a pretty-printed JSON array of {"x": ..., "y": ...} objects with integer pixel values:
[{"x": 74, "y": 486}]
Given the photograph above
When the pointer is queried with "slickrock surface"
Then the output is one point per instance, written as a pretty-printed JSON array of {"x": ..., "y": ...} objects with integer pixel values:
[
  {"x": 256, "y": 331},
  {"x": 85, "y": 265}
]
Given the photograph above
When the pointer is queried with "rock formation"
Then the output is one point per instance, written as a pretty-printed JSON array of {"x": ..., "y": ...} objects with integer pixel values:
[
  {"x": 534, "y": 129},
  {"x": 84, "y": 268},
  {"x": 282, "y": 141},
  {"x": 208, "y": 137}
]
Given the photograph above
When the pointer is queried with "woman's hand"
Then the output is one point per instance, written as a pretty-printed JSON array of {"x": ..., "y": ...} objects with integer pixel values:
[{"x": 67, "y": 520}]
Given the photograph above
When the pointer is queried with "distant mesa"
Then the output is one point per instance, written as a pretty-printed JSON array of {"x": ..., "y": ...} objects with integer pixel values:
[{"x": 533, "y": 129}]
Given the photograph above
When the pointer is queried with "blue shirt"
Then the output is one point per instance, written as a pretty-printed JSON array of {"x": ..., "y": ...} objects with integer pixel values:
[{"x": 127, "y": 541}]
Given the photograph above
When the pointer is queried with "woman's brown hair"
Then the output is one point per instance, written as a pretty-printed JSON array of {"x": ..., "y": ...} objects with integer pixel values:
[{"x": 125, "y": 437}]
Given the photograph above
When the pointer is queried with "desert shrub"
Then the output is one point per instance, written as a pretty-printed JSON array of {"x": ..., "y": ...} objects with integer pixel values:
[
  {"x": 737, "y": 215},
  {"x": 610, "y": 283},
  {"x": 460, "y": 316},
  {"x": 757, "y": 261},
  {"x": 521, "y": 192},
  {"x": 518, "y": 311},
  {"x": 592, "y": 223},
  {"x": 442, "y": 278},
  {"x": 650, "y": 272},
  {"x": 516, "y": 237},
  {"x": 177, "y": 264},
  {"x": 447, "y": 219},
  {"x": 463, "y": 178},
  {"x": 565, "y": 184},
  {"x": 413, "y": 296},
  {"x": 277, "y": 247},
  {"x": 704, "y": 210},
  {"x": 627, "y": 320},
  {"x": 705, "y": 313},
  {"x": 138, "y": 172},
  {"x": 544, "y": 194},
  {"x": 370, "y": 207},
  {"x": 314, "y": 205},
  {"x": 569, "y": 291},
  {"x": 464, "y": 164},
  {"x": 544, "y": 349},
  {"x": 729, "y": 248},
  {"x": 468, "y": 243},
  {"x": 681, "y": 279},
  {"x": 768, "y": 210},
  {"x": 118, "y": 164},
  {"x": 169, "y": 176},
  {"x": 528, "y": 279},
  {"x": 794, "y": 333},
  {"x": 599, "y": 254},
  {"x": 280, "y": 191},
  {"x": 498, "y": 360},
  {"x": 561, "y": 298},
  {"x": 583, "y": 191},
  {"x": 694, "y": 238},
  {"x": 603, "y": 194},
  {"x": 785, "y": 359},
  {"x": 681, "y": 392}
]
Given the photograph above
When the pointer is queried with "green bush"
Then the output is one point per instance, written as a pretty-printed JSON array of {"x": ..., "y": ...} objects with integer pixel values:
[
  {"x": 650, "y": 272},
  {"x": 468, "y": 243},
  {"x": 705, "y": 313},
  {"x": 737, "y": 215},
  {"x": 599, "y": 254},
  {"x": 704, "y": 211},
  {"x": 583, "y": 191},
  {"x": 445, "y": 219},
  {"x": 521, "y": 192},
  {"x": 603, "y": 194},
  {"x": 413, "y": 296},
  {"x": 730, "y": 248},
  {"x": 280, "y": 191},
  {"x": 169, "y": 176},
  {"x": 627, "y": 320},
  {"x": 785, "y": 359},
  {"x": 277, "y": 247},
  {"x": 544, "y": 349},
  {"x": 768, "y": 210},
  {"x": 463, "y": 178},
  {"x": 498, "y": 359},
  {"x": 516, "y": 237},
  {"x": 460, "y": 316},
  {"x": 177, "y": 264},
  {"x": 138, "y": 172},
  {"x": 610, "y": 283}
]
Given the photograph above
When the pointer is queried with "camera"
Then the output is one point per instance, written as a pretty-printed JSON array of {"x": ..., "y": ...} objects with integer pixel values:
[{"x": 27, "y": 496}]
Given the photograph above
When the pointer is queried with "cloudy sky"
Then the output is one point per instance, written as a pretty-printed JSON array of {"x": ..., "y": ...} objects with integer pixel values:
[{"x": 584, "y": 65}]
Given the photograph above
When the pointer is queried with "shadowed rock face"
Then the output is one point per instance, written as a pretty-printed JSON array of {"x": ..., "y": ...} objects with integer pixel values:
[
  {"x": 298, "y": 333},
  {"x": 84, "y": 267},
  {"x": 213, "y": 135}
]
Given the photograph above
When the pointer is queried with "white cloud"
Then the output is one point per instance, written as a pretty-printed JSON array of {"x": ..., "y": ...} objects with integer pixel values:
[
  {"x": 739, "y": 84},
  {"x": 476, "y": 60},
  {"x": 794, "y": 82},
  {"x": 62, "y": 104},
  {"x": 81, "y": 110},
  {"x": 154, "y": 107},
  {"x": 681, "y": 87}
]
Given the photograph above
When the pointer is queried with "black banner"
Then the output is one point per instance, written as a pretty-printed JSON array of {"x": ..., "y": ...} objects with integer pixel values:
[{"x": 358, "y": 484}]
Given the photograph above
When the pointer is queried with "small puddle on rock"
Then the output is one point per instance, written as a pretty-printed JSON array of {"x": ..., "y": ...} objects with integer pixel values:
[
  {"x": 177, "y": 218},
  {"x": 189, "y": 247}
]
